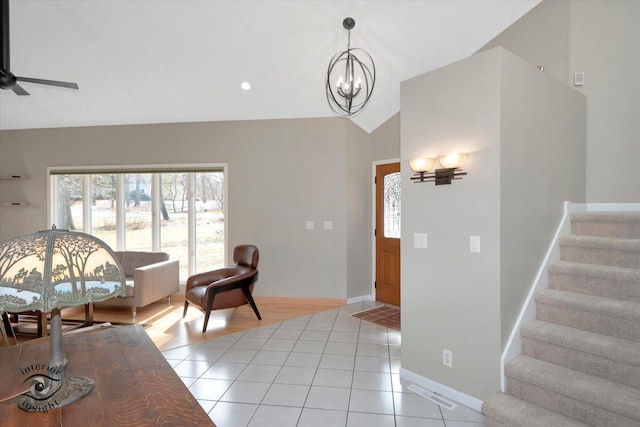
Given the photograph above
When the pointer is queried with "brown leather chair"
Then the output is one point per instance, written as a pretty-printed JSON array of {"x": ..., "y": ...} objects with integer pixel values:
[{"x": 225, "y": 287}]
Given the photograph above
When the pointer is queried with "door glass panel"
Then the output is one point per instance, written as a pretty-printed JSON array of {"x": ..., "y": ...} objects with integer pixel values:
[{"x": 392, "y": 205}]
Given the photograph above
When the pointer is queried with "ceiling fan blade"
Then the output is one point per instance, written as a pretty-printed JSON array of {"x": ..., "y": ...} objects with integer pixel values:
[
  {"x": 48, "y": 82},
  {"x": 4, "y": 35},
  {"x": 19, "y": 90}
]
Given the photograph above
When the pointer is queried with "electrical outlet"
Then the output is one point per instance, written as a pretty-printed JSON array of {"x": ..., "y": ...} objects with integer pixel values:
[{"x": 447, "y": 358}]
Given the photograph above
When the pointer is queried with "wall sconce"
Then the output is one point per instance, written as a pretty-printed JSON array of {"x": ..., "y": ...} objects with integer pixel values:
[{"x": 451, "y": 168}]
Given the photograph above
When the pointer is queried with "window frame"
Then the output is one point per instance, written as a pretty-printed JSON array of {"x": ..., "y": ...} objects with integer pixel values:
[{"x": 155, "y": 170}]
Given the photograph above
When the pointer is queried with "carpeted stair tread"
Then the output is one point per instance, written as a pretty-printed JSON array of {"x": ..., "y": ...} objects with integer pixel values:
[
  {"x": 595, "y": 304},
  {"x": 600, "y": 280},
  {"x": 599, "y": 250},
  {"x": 606, "y": 272},
  {"x": 612, "y": 224},
  {"x": 580, "y": 387},
  {"x": 506, "y": 410},
  {"x": 600, "y": 355},
  {"x": 616, "y": 217},
  {"x": 601, "y": 242},
  {"x": 606, "y": 346}
]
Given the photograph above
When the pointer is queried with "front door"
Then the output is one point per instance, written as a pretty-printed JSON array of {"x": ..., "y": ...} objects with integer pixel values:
[{"x": 388, "y": 233}]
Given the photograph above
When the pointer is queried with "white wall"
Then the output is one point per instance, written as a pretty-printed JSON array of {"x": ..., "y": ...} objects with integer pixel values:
[
  {"x": 602, "y": 39},
  {"x": 525, "y": 133},
  {"x": 281, "y": 174}
]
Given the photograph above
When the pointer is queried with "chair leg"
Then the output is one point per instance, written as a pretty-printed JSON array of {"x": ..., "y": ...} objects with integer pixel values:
[
  {"x": 247, "y": 295},
  {"x": 186, "y": 305},
  {"x": 206, "y": 320},
  {"x": 7, "y": 330},
  {"x": 207, "y": 311}
]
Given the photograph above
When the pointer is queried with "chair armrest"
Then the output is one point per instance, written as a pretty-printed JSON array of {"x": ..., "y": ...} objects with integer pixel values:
[
  {"x": 236, "y": 281},
  {"x": 204, "y": 279}
]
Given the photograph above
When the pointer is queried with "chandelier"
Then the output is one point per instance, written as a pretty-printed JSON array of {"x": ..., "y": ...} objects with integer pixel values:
[{"x": 354, "y": 75}]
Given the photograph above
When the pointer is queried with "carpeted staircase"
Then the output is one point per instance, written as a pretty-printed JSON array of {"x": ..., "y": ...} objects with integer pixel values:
[{"x": 580, "y": 364}]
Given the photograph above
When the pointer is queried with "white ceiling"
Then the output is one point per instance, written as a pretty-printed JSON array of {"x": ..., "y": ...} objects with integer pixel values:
[{"x": 145, "y": 61}]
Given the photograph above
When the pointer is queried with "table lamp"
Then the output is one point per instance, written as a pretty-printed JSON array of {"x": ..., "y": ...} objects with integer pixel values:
[{"x": 46, "y": 271}]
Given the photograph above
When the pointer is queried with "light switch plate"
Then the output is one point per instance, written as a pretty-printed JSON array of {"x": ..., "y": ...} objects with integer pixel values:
[
  {"x": 310, "y": 225},
  {"x": 474, "y": 244},
  {"x": 420, "y": 240},
  {"x": 328, "y": 225}
]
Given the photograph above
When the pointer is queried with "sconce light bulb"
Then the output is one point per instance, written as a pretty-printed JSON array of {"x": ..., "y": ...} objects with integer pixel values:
[
  {"x": 453, "y": 161},
  {"x": 422, "y": 164}
]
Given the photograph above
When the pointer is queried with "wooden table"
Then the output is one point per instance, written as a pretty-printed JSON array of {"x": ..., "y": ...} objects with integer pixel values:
[{"x": 135, "y": 386}]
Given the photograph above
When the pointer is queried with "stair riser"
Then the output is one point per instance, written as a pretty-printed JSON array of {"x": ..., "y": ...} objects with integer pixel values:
[
  {"x": 619, "y": 372},
  {"x": 623, "y": 230},
  {"x": 593, "y": 322},
  {"x": 567, "y": 406},
  {"x": 600, "y": 256},
  {"x": 618, "y": 289}
]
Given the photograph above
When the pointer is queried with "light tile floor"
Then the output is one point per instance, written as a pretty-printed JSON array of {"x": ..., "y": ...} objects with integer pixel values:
[{"x": 328, "y": 369}]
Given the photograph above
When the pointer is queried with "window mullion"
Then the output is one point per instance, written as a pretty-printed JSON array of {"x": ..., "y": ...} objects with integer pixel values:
[
  {"x": 155, "y": 212},
  {"x": 87, "y": 198},
  {"x": 191, "y": 222},
  {"x": 121, "y": 221}
]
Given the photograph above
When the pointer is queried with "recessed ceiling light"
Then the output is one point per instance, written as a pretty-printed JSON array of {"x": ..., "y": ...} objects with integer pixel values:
[{"x": 245, "y": 86}]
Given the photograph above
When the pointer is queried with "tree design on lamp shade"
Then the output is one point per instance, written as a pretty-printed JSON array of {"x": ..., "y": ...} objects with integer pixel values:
[{"x": 57, "y": 268}]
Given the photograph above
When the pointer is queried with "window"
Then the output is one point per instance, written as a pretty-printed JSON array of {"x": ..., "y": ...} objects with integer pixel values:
[{"x": 178, "y": 211}]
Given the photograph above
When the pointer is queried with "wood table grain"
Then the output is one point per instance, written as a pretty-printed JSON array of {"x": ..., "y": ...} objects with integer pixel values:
[{"x": 134, "y": 384}]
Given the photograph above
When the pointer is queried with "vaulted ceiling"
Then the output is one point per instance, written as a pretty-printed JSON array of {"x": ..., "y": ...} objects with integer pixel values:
[{"x": 146, "y": 61}]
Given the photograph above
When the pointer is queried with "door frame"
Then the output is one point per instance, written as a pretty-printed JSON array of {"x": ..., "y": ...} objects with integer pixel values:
[{"x": 373, "y": 220}]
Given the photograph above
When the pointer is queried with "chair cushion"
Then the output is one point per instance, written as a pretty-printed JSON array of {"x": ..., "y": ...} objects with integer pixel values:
[{"x": 130, "y": 260}]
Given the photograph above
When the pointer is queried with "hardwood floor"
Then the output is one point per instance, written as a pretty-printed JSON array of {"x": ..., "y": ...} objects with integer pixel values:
[{"x": 164, "y": 323}]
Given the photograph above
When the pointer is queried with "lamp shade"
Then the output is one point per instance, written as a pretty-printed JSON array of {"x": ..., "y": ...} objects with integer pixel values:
[
  {"x": 46, "y": 271},
  {"x": 422, "y": 164},
  {"x": 57, "y": 268},
  {"x": 453, "y": 161}
]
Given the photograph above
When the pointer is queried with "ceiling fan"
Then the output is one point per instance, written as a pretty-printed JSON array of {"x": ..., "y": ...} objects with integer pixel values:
[{"x": 7, "y": 79}]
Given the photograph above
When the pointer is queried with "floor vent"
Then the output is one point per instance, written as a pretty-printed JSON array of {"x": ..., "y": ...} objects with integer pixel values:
[{"x": 432, "y": 396}]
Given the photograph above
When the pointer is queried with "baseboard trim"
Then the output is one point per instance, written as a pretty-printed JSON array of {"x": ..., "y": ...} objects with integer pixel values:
[
  {"x": 360, "y": 299},
  {"x": 443, "y": 390},
  {"x": 334, "y": 302}
]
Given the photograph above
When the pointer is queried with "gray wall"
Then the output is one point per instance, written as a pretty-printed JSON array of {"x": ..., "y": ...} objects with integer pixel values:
[
  {"x": 359, "y": 241},
  {"x": 601, "y": 39},
  {"x": 385, "y": 140},
  {"x": 542, "y": 164},
  {"x": 451, "y": 298},
  {"x": 509, "y": 117},
  {"x": 280, "y": 174}
]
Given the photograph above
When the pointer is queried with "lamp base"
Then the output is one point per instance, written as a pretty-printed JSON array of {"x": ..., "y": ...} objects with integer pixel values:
[{"x": 72, "y": 389}]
